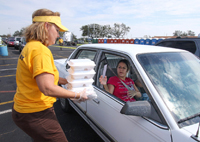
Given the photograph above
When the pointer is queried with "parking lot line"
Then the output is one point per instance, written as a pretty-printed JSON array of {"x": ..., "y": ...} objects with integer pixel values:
[
  {"x": 8, "y": 58},
  {"x": 8, "y": 69},
  {"x": 8, "y": 75},
  {"x": 65, "y": 47},
  {"x": 8, "y": 102},
  {"x": 5, "y": 111},
  {"x": 7, "y": 64},
  {"x": 7, "y": 91}
]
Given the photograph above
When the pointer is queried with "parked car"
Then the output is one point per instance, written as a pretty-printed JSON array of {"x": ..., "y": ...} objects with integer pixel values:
[
  {"x": 170, "y": 78},
  {"x": 4, "y": 39},
  {"x": 22, "y": 44},
  {"x": 17, "y": 42},
  {"x": 80, "y": 41},
  {"x": 190, "y": 44},
  {"x": 10, "y": 41}
]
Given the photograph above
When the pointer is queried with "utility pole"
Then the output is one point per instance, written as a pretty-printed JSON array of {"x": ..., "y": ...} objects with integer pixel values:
[{"x": 9, "y": 31}]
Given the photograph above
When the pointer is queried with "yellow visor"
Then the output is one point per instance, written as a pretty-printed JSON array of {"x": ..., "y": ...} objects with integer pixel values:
[{"x": 51, "y": 19}]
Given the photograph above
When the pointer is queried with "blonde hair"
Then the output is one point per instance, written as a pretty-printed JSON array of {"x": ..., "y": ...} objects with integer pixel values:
[{"x": 37, "y": 31}]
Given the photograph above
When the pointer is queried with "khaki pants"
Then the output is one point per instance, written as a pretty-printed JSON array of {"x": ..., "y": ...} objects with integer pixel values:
[{"x": 41, "y": 126}]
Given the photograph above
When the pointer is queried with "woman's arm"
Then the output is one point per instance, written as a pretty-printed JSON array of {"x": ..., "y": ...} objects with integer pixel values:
[
  {"x": 108, "y": 87},
  {"x": 62, "y": 81},
  {"x": 45, "y": 82},
  {"x": 111, "y": 88}
]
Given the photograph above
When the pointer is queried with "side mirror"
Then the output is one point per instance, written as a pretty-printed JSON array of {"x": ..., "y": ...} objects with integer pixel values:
[{"x": 140, "y": 108}]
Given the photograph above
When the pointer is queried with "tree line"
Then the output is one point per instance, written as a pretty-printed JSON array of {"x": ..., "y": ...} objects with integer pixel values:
[
  {"x": 104, "y": 31},
  {"x": 180, "y": 33},
  {"x": 101, "y": 31}
]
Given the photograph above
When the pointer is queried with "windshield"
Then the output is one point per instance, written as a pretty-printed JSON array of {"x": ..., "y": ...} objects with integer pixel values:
[
  {"x": 18, "y": 39},
  {"x": 176, "y": 76}
]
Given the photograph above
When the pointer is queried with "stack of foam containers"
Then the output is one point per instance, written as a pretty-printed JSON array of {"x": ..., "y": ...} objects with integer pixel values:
[{"x": 81, "y": 73}]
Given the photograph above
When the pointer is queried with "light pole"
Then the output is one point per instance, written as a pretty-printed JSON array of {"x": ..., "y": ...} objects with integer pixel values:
[{"x": 9, "y": 31}]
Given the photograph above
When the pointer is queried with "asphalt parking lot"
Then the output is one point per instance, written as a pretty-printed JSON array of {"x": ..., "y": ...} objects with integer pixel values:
[{"x": 75, "y": 128}]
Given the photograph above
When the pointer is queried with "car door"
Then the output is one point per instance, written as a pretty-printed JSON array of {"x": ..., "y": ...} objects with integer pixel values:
[
  {"x": 104, "y": 111},
  {"x": 83, "y": 54}
]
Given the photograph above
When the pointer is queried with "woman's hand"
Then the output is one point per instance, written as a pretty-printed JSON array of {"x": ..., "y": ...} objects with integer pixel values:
[
  {"x": 83, "y": 95},
  {"x": 131, "y": 93},
  {"x": 102, "y": 80}
]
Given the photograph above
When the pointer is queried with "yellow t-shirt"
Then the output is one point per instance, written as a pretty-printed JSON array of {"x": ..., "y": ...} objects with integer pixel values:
[
  {"x": 61, "y": 40},
  {"x": 34, "y": 59}
]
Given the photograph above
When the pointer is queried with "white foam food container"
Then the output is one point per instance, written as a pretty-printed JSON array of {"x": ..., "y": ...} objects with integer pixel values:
[
  {"x": 81, "y": 64},
  {"x": 80, "y": 74},
  {"x": 79, "y": 83}
]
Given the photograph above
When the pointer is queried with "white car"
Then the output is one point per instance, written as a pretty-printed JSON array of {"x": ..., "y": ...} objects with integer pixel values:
[{"x": 170, "y": 78}]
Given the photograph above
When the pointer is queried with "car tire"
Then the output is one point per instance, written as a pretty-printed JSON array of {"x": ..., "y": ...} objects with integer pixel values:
[{"x": 66, "y": 107}]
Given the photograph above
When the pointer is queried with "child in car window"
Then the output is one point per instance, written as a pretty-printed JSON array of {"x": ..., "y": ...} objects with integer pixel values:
[{"x": 117, "y": 88}]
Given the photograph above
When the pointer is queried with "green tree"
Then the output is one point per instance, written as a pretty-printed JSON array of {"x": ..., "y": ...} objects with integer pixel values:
[
  {"x": 105, "y": 31},
  {"x": 101, "y": 31},
  {"x": 91, "y": 30},
  {"x": 19, "y": 33},
  {"x": 191, "y": 33},
  {"x": 120, "y": 30},
  {"x": 61, "y": 33},
  {"x": 84, "y": 30},
  {"x": 180, "y": 33},
  {"x": 16, "y": 33},
  {"x": 177, "y": 33}
]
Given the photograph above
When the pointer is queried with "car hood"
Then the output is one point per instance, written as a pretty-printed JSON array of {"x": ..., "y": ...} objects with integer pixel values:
[{"x": 192, "y": 128}]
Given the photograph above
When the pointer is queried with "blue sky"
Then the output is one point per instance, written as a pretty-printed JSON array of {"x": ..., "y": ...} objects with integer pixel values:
[{"x": 144, "y": 17}]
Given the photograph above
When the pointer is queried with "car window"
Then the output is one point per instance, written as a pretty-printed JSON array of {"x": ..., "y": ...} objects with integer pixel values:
[
  {"x": 167, "y": 44},
  {"x": 186, "y": 45},
  {"x": 86, "y": 54},
  {"x": 176, "y": 77},
  {"x": 111, "y": 61},
  {"x": 18, "y": 39}
]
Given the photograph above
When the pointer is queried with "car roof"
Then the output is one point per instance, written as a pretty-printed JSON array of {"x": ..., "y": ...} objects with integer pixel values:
[
  {"x": 181, "y": 39},
  {"x": 132, "y": 48}
]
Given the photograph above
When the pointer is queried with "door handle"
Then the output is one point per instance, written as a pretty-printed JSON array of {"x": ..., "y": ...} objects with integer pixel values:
[{"x": 96, "y": 101}]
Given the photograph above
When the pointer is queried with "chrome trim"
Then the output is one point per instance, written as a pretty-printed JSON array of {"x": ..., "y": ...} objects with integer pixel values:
[{"x": 159, "y": 125}]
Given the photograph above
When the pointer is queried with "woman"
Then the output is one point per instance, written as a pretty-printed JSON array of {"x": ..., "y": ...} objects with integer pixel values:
[
  {"x": 116, "y": 87},
  {"x": 37, "y": 79}
]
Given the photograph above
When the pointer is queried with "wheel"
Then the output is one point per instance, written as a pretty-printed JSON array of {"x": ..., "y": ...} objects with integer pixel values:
[
  {"x": 20, "y": 49},
  {"x": 66, "y": 107}
]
